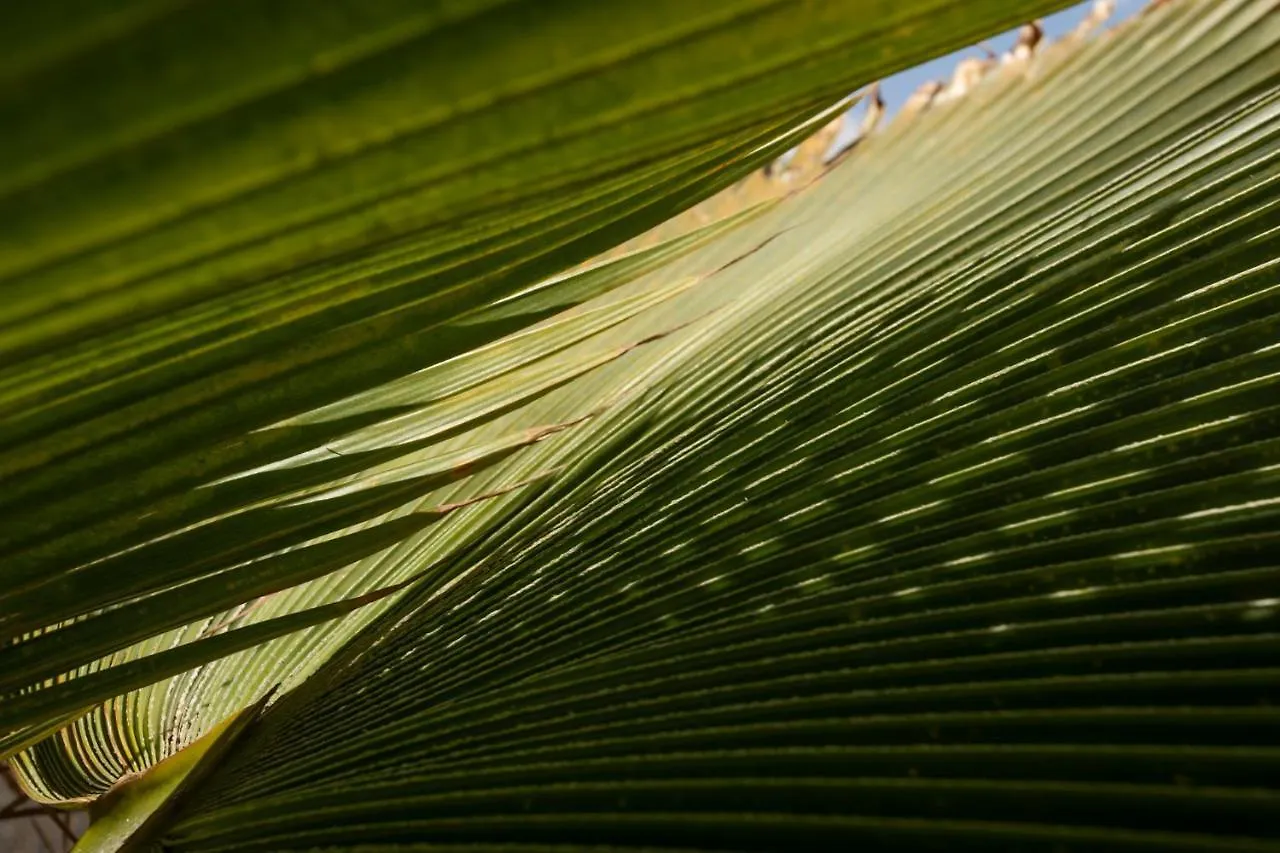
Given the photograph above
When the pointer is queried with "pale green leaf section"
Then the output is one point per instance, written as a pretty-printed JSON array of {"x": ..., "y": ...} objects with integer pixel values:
[{"x": 128, "y": 816}]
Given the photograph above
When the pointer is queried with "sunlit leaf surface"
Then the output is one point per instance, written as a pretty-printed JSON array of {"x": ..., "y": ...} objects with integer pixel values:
[
  {"x": 942, "y": 516},
  {"x": 284, "y": 322}
]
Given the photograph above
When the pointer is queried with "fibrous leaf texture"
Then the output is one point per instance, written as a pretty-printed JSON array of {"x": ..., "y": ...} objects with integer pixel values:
[
  {"x": 277, "y": 323},
  {"x": 931, "y": 507}
]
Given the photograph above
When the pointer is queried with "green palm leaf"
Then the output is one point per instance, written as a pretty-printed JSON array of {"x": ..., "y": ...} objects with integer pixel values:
[
  {"x": 273, "y": 338},
  {"x": 962, "y": 535},
  {"x": 931, "y": 507}
]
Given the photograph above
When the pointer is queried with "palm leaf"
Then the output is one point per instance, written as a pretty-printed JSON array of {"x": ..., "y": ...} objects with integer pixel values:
[
  {"x": 948, "y": 521},
  {"x": 273, "y": 306}
]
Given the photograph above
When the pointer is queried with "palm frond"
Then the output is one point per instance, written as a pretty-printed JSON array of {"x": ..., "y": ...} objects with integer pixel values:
[
  {"x": 278, "y": 334},
  {"x": 947, "y": 521}
]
